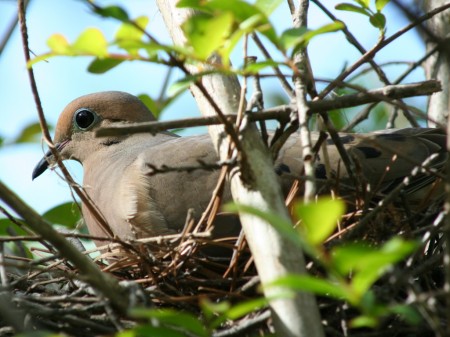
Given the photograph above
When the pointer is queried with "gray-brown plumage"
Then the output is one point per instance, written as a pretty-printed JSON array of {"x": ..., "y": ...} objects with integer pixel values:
[{"x": 134, "y": 202}]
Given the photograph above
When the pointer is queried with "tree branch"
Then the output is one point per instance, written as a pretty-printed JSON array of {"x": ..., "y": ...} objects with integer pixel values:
[
  {"x": 253, "y": 183},
  {"x": 283, "y": 112}
]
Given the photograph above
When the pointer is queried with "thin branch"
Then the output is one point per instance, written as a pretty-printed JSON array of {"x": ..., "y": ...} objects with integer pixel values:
[
  {"x": 282, "y": 78},
  {"x": 284, "y": 112},
  {"x": 351, "y": 38},
  {"x": 381, "y": 44},
  {"x": 46, "y": 134}
]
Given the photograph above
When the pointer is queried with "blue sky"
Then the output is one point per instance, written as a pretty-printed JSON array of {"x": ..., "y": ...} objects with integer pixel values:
[{"x": 62, "y": 79}]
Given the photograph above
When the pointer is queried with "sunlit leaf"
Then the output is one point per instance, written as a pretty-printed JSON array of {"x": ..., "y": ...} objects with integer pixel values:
[
  {"x": 319, "y": 220},
  {"x": 195, "y": 4},
  {"x": 245, "y": 14},
  {"x": 210, "y": 308},
  {"x": 311, "y": 284},
  {"x": 268, "y": 6},
  {"x": 91, "y": 42},
  {"x": 363, "y": 3},
  {"x": 364, "y": 321},
  {"x": 175, "y": 318},
  {"x": 241, "y": 11},
  {"x": 243, "y": 308},
  {"x": 129, "y": 33},
  {"x": 207, "y": 33},
  {"x": 150, "y": 331},
  {"x": 282, "y": 225},
  {"x": 58, "y": 44},
  {"x": 368, "y": 263},
  {"x": 126, "y": 333},
  {"x": 39, "y": 58},
  {"x": 380, "y": 4}
]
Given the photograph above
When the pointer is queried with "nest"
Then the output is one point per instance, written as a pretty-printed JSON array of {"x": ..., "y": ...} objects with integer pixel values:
[{"x": 177, "y": 272}]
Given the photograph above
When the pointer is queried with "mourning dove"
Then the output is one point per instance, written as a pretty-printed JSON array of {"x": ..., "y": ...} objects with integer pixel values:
[{"x": 136, "y": 203}]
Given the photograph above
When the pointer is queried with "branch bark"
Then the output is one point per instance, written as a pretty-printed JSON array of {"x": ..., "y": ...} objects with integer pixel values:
[
  {"x": 437, "y": 67},
  {"x": 387, "y": 93},
  {"x": 254, "y": 183}
]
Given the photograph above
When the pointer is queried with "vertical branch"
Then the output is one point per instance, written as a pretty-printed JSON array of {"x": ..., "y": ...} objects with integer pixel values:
[
  {"x": 437, "y": 66},
  {"x": 302, "y": 81},
  {"x": 447, "y": 235},
  {"x": 253, "y": 183}
]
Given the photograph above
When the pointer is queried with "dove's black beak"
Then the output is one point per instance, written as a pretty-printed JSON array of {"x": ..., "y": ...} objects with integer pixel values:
[
  {"x": 44, "y": 163},
  {"x": 42, "y": 166}
]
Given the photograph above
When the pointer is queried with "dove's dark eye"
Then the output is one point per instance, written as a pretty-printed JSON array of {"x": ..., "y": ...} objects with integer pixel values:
[{"x": 84, "y": 118}]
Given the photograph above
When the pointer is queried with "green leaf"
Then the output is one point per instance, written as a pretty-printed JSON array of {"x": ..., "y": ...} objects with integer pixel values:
[
  {"x": 67, "y": 214},
  {"x": 364, "y": 321},
  {"x": 243, "y": 308},
  {"x": 379, "y": 4},
  {"x": 181, "y": 85},
  {"x": 268, "y": 6},
  {"x": 101, "y": 66},
  {"x": 282, "y": 225},
  {"x": 150, "y": 331},
  {"x": 151, "y": 104},
  {"x": 114, "y": 12},
  {"x": 241, "y": 11},
  {"x": 364, "y": 3},
  {"x": 7, "y": 224},
  {"x": 367, "y": 263},
  {"x": 91, "y": 42},
  {"x": 126, "y": 333},
  {"x": 194, "y": 4},
  {"x": 210, "y": 308},
  {"x": 311, "y": 284},
  {"x": 292, "y": 36},
  {"x": 319, "y": 220},
  {"x": 407, "y": 312},
  {"x": 378, "y": 20},
  {"x": 300, "y": 37},
  {"x": 58, "y": 44},
  {"x": 254, "y": 68},
  {"x": 39, "y": 58},
  {"x": 352, "y": 8},
  {"x": 30, "y": 134},
  {"x": 207, "y": 33},
  {"x": 174, "y": 318},
  {"x": 128, "y": 34}
]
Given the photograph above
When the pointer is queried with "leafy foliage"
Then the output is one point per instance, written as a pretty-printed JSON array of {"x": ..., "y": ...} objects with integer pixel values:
[
  {"x": 376, "y": 18},
  {"x": 67, "y": 214},
  {"x": 352, "y": 268},
  {"x": 29, "y": 134}
]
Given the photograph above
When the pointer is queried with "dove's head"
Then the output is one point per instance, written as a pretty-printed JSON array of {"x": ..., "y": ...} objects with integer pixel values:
[{"x": 75, "y": 131}]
